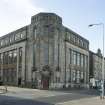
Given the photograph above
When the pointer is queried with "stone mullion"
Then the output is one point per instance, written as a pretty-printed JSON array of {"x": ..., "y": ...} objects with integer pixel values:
[
  {"x": 87, "y": 70},
  {"x": 84, "y": 70},
  {"x": 70, "y": 64},
  {"x": 23, "y": 65},
  {"x": 17, "y": 65},
  {"x": 2, "y": 67},
  {"x": 80, "y": 66}
]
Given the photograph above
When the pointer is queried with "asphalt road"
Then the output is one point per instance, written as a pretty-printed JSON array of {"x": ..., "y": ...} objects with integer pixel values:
[
  {"x": 26, "y": 98},
  {"x": 7, "y": 100},
  {"x": 64, "y": 98}
]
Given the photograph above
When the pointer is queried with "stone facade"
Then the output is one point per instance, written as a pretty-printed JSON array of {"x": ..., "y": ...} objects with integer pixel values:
[
  {"x": 44, "y": 54},
  {"x": 96, "y": 65}
]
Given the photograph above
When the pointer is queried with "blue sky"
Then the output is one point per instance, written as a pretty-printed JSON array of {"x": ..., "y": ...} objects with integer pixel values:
[{"x": 76, "y": 15}]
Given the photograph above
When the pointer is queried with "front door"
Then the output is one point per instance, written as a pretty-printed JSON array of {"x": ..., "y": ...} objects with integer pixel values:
[{"x": 45, "y": 83}]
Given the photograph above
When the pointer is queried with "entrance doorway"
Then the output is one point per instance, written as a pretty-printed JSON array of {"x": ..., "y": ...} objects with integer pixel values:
[{"x": 45, "y": 82}]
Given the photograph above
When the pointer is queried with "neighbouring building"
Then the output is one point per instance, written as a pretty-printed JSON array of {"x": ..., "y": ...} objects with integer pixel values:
[
  {"x": 95, "y": 66},
  {"x": 44, "y": 54}
]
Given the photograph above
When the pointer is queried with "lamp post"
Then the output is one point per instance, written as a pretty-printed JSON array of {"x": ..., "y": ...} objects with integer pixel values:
[{"x": 103, "y": 57}]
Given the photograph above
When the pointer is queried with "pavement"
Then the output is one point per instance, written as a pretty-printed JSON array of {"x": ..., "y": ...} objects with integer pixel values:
[
  {"x": 85, "y": 101},
  {"x": 25, "y": 96}
]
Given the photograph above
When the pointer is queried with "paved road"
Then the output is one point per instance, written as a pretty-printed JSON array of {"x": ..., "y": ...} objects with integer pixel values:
[
  {"x": 22, "y": 96},
  {"x": 7, "y": 100},
  {"x": 65, "y": 97}
]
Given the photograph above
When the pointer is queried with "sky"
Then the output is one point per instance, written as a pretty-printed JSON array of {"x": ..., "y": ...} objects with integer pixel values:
[{"x": 76, "y": 15}]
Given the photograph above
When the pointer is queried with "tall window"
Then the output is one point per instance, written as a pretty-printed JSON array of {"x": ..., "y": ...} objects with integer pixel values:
[
  {"x": 82, "y": 60},
  {"x": 46, "y": 56},
  {"x": 2, "y": 42},
  {"x": 7, "y": 41},
  {"x": 68, "y": 76},
  {"x": 67, "y": 35},
  {"x": 20, "y": 56},
  {"x": 81, "y": 74},
  {"x": 20, "y": 62},
  {"x": 71, "y": 37},
  {"x": 81, "y": 43},
  {"x": 1, "y": 58},
  {"x": 86, "y": 61},
  {"x": 17, "y": 36},
  {"x": 10, "y": 57},
  {"x": 6, "y": 57},
  {"x": 15, "y": 56},
  {"x": 11, "y": 39},
  {"x": 70, "y": 56},
  {"x": 74, "y": 39},
  {"x": 74, "y": 57},
  {"x": 35, "y": 32},
  {"x": 5, "y": 60},
  {"x": 78, "y": 41},
  {"x": 78, "y": 77},
  {"x": 78, "y": 59},
  {"x": 23, "y": 34},
  {"x": 73, "y": 75}
]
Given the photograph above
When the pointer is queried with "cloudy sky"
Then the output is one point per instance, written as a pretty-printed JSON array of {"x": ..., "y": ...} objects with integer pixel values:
[{"x": 76, "y": 14}]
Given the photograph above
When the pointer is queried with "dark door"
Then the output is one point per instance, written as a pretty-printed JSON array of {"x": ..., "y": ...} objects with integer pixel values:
[{"x": 45, "y": 83}]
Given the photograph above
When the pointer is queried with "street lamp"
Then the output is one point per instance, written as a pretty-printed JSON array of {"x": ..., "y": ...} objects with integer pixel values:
[{"x": 103, "y": 58}]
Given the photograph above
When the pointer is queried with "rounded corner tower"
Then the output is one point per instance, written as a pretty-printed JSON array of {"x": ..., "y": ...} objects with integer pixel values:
[{"x": 44, "y": 44}]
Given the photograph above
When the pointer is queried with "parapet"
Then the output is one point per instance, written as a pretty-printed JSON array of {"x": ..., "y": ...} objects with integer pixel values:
[{"x": 46, "y": 17}]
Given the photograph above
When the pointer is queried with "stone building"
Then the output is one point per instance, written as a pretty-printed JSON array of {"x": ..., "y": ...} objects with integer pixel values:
[
  {"x": 44, "y": 54},
  {"x": 96, "y": 65}
]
